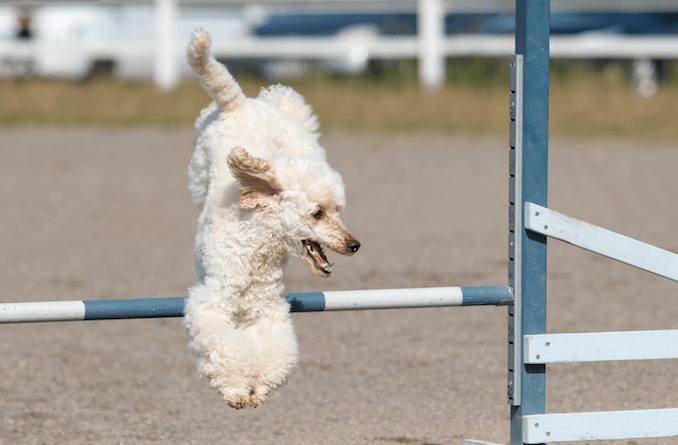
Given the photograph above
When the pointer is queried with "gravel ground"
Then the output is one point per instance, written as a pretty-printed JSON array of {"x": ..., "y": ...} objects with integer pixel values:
[{"x": 90, "y": 213}]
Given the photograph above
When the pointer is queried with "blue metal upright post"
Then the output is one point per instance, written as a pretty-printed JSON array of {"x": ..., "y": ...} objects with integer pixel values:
[{"x": 529, "y": 183}]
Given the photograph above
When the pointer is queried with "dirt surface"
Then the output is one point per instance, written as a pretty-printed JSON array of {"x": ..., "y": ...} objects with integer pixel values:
[{"x": 101, "y": 214}]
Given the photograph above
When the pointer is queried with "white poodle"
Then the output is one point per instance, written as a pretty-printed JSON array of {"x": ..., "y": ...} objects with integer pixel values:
[{"x": 266, "y": 192}]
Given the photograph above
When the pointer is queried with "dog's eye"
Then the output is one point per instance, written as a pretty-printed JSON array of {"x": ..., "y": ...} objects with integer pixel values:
[{"x": 318, "y": 214}]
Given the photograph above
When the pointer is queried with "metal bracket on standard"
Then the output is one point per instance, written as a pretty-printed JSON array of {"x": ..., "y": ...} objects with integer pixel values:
[{"x": 515, "y": 227}]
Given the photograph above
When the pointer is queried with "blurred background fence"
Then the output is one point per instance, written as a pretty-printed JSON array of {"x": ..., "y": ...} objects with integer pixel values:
[{"x": 278, "y": 38}]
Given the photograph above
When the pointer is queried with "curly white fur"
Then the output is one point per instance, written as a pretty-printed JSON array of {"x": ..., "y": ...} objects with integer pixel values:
[{"x": 266, "y": 192}]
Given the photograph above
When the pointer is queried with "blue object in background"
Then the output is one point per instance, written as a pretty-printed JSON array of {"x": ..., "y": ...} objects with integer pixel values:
[
  {"x": 406, "y": 24},
  {"x": 329, "y": 24}
]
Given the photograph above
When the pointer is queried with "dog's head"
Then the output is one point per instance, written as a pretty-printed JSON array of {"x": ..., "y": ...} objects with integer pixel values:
[{"x": 304, "y": 196}]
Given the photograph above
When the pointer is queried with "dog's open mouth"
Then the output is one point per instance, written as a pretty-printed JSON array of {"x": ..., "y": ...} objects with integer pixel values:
[{"x": 316, "y": 259}]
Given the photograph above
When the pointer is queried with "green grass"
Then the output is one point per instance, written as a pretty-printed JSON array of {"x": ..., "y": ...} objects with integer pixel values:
[{"x": 586, "y": 99}]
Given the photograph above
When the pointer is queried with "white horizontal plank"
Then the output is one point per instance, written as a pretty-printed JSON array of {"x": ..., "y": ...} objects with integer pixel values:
[
  {"x": 477, "y": 442},
  {"x": 604, "y": 45},
  {"x": 606, "y": 425},
  {"x": 602, "y": 241},
  {"x": 42, "y": 311},
  {"x": 600, "y": 346}
]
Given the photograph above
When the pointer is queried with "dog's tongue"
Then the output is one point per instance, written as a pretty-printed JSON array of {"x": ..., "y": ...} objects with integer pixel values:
[{"x": 316, "y": 253}]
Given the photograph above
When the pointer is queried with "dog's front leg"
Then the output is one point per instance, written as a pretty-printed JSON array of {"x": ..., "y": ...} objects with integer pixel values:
[{"x": 277, "y": 354}]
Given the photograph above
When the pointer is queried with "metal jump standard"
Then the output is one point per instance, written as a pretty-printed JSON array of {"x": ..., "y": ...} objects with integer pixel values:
[{"x": 530, "y": 348}]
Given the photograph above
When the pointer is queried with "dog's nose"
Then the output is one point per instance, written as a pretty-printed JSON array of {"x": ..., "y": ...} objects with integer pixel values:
[{"x": 354, "y": 246}]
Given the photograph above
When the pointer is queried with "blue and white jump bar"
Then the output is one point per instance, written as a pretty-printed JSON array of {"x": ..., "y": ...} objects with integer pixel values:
[{"x": 299, "y": 302}]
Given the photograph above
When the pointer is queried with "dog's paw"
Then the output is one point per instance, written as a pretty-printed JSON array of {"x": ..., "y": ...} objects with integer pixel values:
[
  {"x": 258, "y": 397},
  {"x": 237, "y": 401}
]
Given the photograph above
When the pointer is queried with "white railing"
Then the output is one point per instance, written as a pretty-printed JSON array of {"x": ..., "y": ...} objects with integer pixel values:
[{"x": 430, "y": 47}]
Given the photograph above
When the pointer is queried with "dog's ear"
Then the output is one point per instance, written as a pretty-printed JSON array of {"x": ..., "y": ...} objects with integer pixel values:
[{"x": 257, "y": 179}]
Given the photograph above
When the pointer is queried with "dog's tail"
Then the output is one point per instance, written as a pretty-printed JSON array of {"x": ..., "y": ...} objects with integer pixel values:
[{"x": 214, "y": 76}]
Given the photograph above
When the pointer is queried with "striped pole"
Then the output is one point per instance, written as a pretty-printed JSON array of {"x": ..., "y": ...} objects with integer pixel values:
[{"x": 300, "y": 302}]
